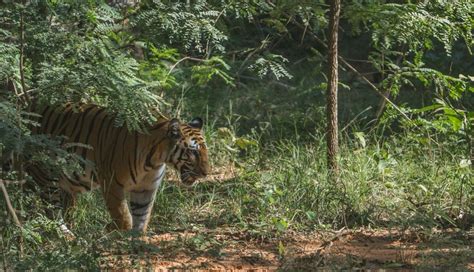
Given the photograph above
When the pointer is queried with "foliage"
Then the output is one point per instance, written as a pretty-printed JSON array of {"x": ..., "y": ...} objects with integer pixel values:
[
  {"x": 191, "y": 28},
  {"x": 50, "y": 153},
  {"x": 381, "y": 185},
  {"x": 423, "y": 23},
  {"x": 73, "y": 53},
  {"x": 256, "y": 71}
]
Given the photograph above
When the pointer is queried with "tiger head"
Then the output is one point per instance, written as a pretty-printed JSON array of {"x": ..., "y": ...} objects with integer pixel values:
[{"x": 189, "y": 156}]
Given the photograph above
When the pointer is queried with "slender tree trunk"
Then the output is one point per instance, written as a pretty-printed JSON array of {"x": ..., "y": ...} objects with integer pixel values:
[
  {"x": 24, "y": 91},
  {"x": 331, "y": 104}
]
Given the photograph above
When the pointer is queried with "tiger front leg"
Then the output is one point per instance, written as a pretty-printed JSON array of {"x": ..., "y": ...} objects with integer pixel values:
[
  {"x": 141, "y": 204},
  {"x": 117, "y": 205}
]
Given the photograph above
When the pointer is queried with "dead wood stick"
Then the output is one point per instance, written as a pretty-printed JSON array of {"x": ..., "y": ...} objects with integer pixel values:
[{"x": 328, "y": 243}]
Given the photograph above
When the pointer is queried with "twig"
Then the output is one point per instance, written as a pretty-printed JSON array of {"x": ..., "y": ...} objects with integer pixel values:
[
  {"x": 181, "y": 60},
  {"x": 26, "y": 93},
  {"x": 263, "y": 45},
  {"x": 328, "y": 243},
  {"x": 383, "y": 103},
  {"x": 272, "y": 82},
  {"x": 12, "y": 87},
  {"x": 304, "y": 34},
  {"x": 317, "y": 257},
  {"x": 355, "y": 118}
]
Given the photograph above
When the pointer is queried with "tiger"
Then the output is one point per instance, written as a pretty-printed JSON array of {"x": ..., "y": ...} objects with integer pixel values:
[{"x": 123, "y": 162}]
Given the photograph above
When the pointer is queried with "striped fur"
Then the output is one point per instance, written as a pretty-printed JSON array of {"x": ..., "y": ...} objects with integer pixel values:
[{"x": 123, "y": 162}]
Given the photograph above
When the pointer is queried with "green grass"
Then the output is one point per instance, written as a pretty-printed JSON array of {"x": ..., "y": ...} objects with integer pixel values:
[{"x": 279, "y": 186}]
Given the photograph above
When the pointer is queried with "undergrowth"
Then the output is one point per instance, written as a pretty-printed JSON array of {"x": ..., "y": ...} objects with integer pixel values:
[{"x": 277, "y": 186}]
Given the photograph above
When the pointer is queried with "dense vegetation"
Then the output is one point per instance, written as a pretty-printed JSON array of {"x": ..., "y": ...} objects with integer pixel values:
[{"x": 256, "y": 71}]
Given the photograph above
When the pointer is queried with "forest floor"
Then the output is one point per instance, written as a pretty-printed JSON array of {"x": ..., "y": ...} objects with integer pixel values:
[
  {"x": 233, "y": 249},
  {"x": 227, "y": 249}
]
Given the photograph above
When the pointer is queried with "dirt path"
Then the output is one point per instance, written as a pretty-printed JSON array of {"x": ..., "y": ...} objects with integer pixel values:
[{"x": 225, "y": 249}]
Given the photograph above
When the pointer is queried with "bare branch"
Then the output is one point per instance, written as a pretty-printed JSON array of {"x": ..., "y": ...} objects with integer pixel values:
[
  {"x": 9, "y": 204},
  {"x": 181, "y": 60}
]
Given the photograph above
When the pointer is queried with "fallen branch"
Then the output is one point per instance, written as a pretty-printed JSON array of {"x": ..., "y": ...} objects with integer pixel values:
[
  {"x": 316, "y": 258},
  {"x": 328, "y": 243}
]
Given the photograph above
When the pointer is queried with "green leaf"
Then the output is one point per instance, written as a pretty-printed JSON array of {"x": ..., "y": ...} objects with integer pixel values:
[
  {"x": 422, "y": 187},
  {"x": 310, "y": 215},
  {"x": 281, "y": 249},
  {"x": 361, "y": 137},
  {"x": 244, "y": 143},
  {"x": 428, "y": 108},
  {"x": 280, "y": 224}
]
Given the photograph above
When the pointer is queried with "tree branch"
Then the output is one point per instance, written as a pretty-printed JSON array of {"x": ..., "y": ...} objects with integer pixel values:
[
  {"x": 181, "y": 60},
  {"x": 350, "y": 67},
  {"x": 371, "y": 85}
]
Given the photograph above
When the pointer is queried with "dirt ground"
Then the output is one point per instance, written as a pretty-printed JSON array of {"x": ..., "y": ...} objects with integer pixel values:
[{"x": 228, "y": 250}]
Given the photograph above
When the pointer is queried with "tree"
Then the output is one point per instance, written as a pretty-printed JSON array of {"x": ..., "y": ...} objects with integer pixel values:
[{"x": 331, "y": 104}]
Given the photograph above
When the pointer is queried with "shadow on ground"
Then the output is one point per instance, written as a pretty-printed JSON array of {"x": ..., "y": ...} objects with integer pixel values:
[{"x": 228, "y": 249}]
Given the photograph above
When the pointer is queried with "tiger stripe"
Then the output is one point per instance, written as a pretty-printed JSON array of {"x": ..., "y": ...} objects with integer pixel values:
[{"x": 122, "y": 161}]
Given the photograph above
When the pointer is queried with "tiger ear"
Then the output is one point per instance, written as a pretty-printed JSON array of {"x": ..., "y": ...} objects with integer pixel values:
[
  {"x": 196, "y": 123},
  {"x": 173, "y": 129}
]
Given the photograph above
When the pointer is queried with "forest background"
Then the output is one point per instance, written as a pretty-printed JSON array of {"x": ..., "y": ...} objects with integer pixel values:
[{"x": 256, "y": 72}]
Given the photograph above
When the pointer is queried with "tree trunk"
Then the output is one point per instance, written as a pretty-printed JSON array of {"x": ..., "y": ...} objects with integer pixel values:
[{"x": 331, "y": 104}]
